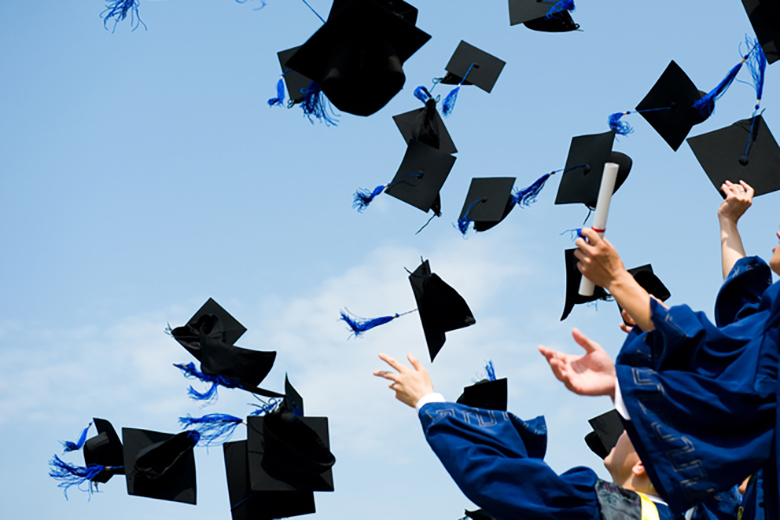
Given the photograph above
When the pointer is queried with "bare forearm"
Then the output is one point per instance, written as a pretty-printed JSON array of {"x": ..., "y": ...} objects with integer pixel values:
[
  {"x": 633, "y": 298},
  {"x": 730, "y": 245}
]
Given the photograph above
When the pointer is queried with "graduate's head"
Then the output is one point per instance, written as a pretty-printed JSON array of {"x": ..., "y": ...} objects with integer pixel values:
[
  {"x": 774, "y": 262},
  {"x": 626, "y": 468}
]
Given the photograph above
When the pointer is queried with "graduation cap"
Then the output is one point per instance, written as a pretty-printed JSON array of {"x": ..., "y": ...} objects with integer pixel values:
[
  {"x": 746, "y": 151},
  {"x": 357, "y": 56},
  {"x": 470, "y": 66},
  {"x": 477, "y": 514},
  {"x": 581, "y": 179},
  {"x": 486, "y": 394},
  {"x": 607, "y": 428},
  {"x": 441, "y": 308},
  {"x": 573, "y": 278},
  {"x": 418, "y": 180},
  {"x": 645, "y": 277},
  {"x": 246, "y": 504},
  {"x": 160, "y": 465},
  {"x": 764, "y": 16},
  {"x": 488, "y": 202},
  {"x": 297, "y": 84},
  {"x": 209, "y": 336},
  {"x": 104, "y": 449},
  {"x": 542, "y": 15},
  {"x": 668, "y": 107},
  {"x": 426, "y": 126}
]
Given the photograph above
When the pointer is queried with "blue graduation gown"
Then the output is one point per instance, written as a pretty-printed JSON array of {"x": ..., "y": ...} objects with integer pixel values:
[
  {"x": 702, "y": 396},
  {"x": 495, "y": 458}
]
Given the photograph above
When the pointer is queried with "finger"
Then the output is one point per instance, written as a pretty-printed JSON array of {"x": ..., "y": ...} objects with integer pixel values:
[
  {"x": 748, "y": 188},
  {"x": 392, "y": 376},
  {"x": 415, "y": 362},
  {"x": 585, "y": 342},
  {"x": 625, "y": 328},
  {"x": 392, "y": 362},
  {"x": 592, "y": 236}
]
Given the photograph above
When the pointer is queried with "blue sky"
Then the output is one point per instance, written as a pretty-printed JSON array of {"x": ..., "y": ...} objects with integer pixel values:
[{"x": 141, "y": 172}]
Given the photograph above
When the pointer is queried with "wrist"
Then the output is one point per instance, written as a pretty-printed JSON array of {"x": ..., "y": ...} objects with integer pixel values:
[{"x": 619, "y": 281}]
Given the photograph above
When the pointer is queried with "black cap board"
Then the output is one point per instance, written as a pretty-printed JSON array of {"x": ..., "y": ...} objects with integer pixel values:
[
  {"x": 573, "y": 278},
  {"x": 293, "y": 402},
  {"x": 441, "y": 308},
  {"x": 645, "y": 277},
  {"x": 581, "y": 180},
  {"x": 533, "y": 13},
  {"x": 208, "y": 315},
  {"x": 420, "y": 177},
  {"x": 289, "y": 453},
  {"x": 478, "y": 514},
  {"x": 160, "y": 465},
  {"x": 104, "y": 449},
  {"x": 479, "y": 67},
  {"x": 246, "y": 504},
  {"x": 607, "y": 428},
  {"x": 357, "y": 56},
  {"x": 296, "y": 82},
  {"x": 488, "y": 201},
  {"x": 722, "y": 155},
  {"x": 489, "y": 395},
  {"x": 668, "y": 107},
  {"x": 426, "y": 126},
  {"x": 764, "y": 16}
]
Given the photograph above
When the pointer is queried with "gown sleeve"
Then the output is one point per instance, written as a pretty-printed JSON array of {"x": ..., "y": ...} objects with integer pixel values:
[
  {"x": 496, "y": 460},
  {"x": 740, "y": 295}
]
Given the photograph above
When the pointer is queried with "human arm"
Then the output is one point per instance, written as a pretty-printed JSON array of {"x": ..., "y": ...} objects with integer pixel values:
[
  {"x": 592, "y": 373},
  {"x": 739, "y": 198}
]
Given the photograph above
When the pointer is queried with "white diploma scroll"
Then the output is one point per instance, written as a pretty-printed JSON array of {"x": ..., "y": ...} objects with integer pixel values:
[{"x": 600, "y": 218}]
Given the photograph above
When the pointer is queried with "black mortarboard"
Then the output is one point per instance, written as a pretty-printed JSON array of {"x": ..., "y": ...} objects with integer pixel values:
[
  {"x": 246, "y": 504},
  {"x": 573, "y": 278},
  {"x": 205, "y": 320},
  {"x": 289, "y": 453},
  {"x": 764, "y": 16},
  {"x": 607, "y": 428},
  {"x": 357, "y": 56},
  {"x": 645, "y": 277},
  {"x": 668, "y": 107},
  {"x": 104, "y": 449},
  {"x": 293, "y": 401},
  {"x": 420, "y": 177},
  {"x": 533, "y": 13},
  {"x": 722, "y": 154},
  {"x": 478, "y": 514},
  {"x": 426, "y": 126},
  {"x": 489, "y": 395},
  {"x": 441, "y": 308},
  {"x": 160, "y": 465},
  {"x": 488, "y": 202},
  {"x": 581, "y": 180},
  {"x": 296, "y": 82},
  {"x": 477, "y": 66}
]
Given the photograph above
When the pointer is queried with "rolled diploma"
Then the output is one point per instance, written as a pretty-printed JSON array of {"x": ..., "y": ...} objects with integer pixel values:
[{"x": 600, "y": 218}]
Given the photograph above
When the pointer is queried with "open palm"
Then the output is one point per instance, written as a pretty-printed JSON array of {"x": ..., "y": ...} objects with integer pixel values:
[{"x": 590, "y": 374}]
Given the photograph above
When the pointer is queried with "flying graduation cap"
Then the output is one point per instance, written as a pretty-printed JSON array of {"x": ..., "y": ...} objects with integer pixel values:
[
  {"x": 745, "y": 151},
  {"x": 543, "y": 15},
  {"x": 297, "y": 84},
  {"x": 426, "y": 126},
  {"x": 488, "y": 202},
  {"x": 648, "y": 280},
  {"x": 489, "y": 393},
  {"x": 470, "y": 66},
  {"x": 356, "y": 58},
  {"x": 607, "y": 428},
  {"x": 764, "y": 16},
  {"x": 210, "y": 336},
  {"x": 573, "y": 279}
]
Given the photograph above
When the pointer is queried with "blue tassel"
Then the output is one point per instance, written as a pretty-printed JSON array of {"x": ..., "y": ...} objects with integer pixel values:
[
  {"x": 256, "y": 8},
  {"x": 315, "y": 105},
  {"x": 216, "y": 381},
  {"x": 574, "y": 234},
  {"x": 563, "y": 5},
  {"x": 279, "y": 99},
  {"x": 212, "y": 428},
  {"x": 464, "y": 221},
  {"x": 360, "y": 326},
  {"x": 449, "y": 102},
  {"x": 757, "y": 65},
  {"x": 118, "y": 10},
  {"x": 491, "y": 372},
  {"x": 620, "y": 127},
  {"x": 363, "y": 197},
  {"x": 422, "y": 94},
  {"x": 706, "y": 105},
  {"x": 75, "y": 446},
  {"x": 71, "y": 475},
  {"x": 265, "y": 408},
  {"x": 527, "y": 196}
]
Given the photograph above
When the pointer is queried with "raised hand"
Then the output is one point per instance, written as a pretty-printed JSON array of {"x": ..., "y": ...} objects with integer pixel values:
[
  {"x": 409, "y": 384},
  {"x": 590, "y": 374}
]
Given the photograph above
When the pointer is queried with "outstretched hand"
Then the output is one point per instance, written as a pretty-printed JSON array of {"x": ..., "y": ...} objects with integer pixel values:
[
  {"x": 739, "y": 197},
  {"x": 590, "y": 374},
  {"x": 409, "y": 384}
]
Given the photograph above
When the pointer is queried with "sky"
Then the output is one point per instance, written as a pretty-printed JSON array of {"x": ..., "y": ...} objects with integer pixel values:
[{"x": 142, "y": 172}]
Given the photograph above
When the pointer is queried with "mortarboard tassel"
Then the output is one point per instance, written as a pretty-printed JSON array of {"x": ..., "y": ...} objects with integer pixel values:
[
  {"x": 212, "y": 428},
  {"x": 216, "y": 381},
  {"x": 527, "y": 196},
  {"x": 620, "y": 127},
  {"x": 706, "y": 105},
  {"x": 360, "y": 326},
  {"x": 423, "y": 94},
  {"x": 363, "y": 197},
  {"x": 449, "y": 102},
  {"x": 279, "y": 99},
  {"x": 757, "y": 66},
  {"x": 118, "y": 10},
  {"x": 265, "y": 408},
  {"x": 75, "y": 446},
  {"x": 315, "y": 105},
  {"x": 72, "y": 475},
  {"x": 491, "y": 372},
  {"x": 464, "y": 221},
  {"x": 563, "y": 5}
]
